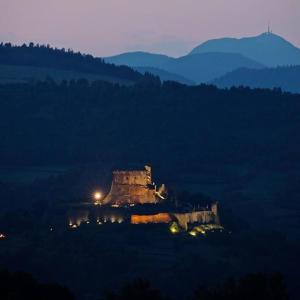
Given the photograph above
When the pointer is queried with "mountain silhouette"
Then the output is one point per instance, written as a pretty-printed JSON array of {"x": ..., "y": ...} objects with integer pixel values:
[
  {"x": 202, "y": 68},
  {"x": 268, "y": 49},
  {"x": 286, "y": 78},
  {"x": 139, "y": 59},
  {"x": 198, "y": 68},
  {"x": 215, "y": 58}
]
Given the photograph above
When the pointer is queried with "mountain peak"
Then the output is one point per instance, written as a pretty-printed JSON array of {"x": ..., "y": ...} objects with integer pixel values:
[{"x": 267, "y": 48}]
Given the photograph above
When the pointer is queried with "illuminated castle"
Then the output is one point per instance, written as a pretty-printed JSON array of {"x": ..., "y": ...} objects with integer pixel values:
[{"x": 133, "y": 187}]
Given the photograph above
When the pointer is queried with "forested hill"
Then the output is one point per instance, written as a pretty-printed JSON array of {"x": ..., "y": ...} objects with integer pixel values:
[
  {"x": 287, "y": 78},
  {"x": 61, "y": 59},
  {"x": 51, "y": 123}
]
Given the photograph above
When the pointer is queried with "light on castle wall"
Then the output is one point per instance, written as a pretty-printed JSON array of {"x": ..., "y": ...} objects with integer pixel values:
[
  {"x": 97, "y": 196},
  {"x": 193, "y": 233}
]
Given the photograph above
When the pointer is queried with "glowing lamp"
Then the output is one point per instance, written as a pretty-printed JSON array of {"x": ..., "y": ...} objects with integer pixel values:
[
  {"x": 193, "y": 233},
  {"x": 97, "y": 196},
  {"x": 173, "y": 230}
]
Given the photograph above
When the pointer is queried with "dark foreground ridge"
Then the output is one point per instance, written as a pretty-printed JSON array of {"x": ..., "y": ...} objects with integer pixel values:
[{"x": 22, "y": 286}]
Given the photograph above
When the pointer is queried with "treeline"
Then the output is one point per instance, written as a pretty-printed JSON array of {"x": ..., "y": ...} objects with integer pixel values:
[
  {"x": 287, "y": 78},
  {"x": 78, "y": 122},
  {"x": 63, "y": 59},
  {"x": 259, "y": 286}
]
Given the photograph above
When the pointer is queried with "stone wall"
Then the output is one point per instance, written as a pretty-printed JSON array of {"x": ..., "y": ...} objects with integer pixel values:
[
  {"x": 183, "y": 219},
  {"x": 151, "y": 219},
  {"x": 203, "y": 217},
  {"x": 131, "y": 177},
  {"x": 131, "y": 187}
]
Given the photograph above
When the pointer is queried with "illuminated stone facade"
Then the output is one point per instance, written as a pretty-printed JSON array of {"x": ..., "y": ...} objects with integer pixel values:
[
  {"x": 108, "y": 214},
  {"x": 132, "y": 187},
  {"x": 151, "y": 219},
  {"x": 206, "y": 216}
]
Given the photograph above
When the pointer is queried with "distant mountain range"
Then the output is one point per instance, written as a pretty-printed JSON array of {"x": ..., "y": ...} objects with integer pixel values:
[
  {"x": 225, "y": 62},
  {"x": 215, "y": 58},
  {"x": 139, "y": 59},
  {"x": 198, "y": 68},
  {"x": 287, "y": 78},
  {"x": 204, "y": 67},
  {"x": 268, "y": 49},
  {"x": 195, "y": 68}
]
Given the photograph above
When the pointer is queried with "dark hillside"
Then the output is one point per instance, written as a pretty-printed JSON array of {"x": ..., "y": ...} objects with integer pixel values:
[
  {"x": 61, "y": 59},
  {"x": 78, "y": 123},
  {"x": 286, "y": 78},
  {"x": 240, "y": 146}
]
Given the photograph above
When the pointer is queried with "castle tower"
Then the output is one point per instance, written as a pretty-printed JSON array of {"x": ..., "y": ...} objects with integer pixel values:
[
  {"x": 215, "y": 211},
  {"x": 131, "y": 187}
]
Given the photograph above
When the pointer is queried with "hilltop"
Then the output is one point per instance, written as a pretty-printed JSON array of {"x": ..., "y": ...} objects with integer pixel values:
[
  {"x": 139, "y": 58},
  {"x": 267, "y": 48},
  {"x": 36, "y": 62}
]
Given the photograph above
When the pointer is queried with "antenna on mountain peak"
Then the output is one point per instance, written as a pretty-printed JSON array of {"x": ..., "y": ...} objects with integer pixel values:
[{"x": 269, "y": 29}]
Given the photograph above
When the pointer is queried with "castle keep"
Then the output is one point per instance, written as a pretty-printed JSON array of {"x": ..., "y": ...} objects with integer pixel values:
[{"x": 133, "y": 187}]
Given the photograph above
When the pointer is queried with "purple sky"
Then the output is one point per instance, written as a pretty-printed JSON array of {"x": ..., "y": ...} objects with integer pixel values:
[{"x": 174, "y": 27}]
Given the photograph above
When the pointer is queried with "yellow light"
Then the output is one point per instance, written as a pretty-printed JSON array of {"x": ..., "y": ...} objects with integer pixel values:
[
  {"x": 193, "y": 233},
  {"x": 2, "y": 236},
  {"x": 97, "y": 196},
  {"x": 174, "y": 228}
]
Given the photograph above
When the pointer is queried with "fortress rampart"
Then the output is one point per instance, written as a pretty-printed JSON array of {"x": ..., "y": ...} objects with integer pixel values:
[{"x": 183, "y": 219}]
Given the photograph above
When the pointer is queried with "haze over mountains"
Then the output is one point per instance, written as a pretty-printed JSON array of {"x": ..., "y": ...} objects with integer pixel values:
[
  {"x": 225, "y": 62},
  {"x": 215, "y": 58}
]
